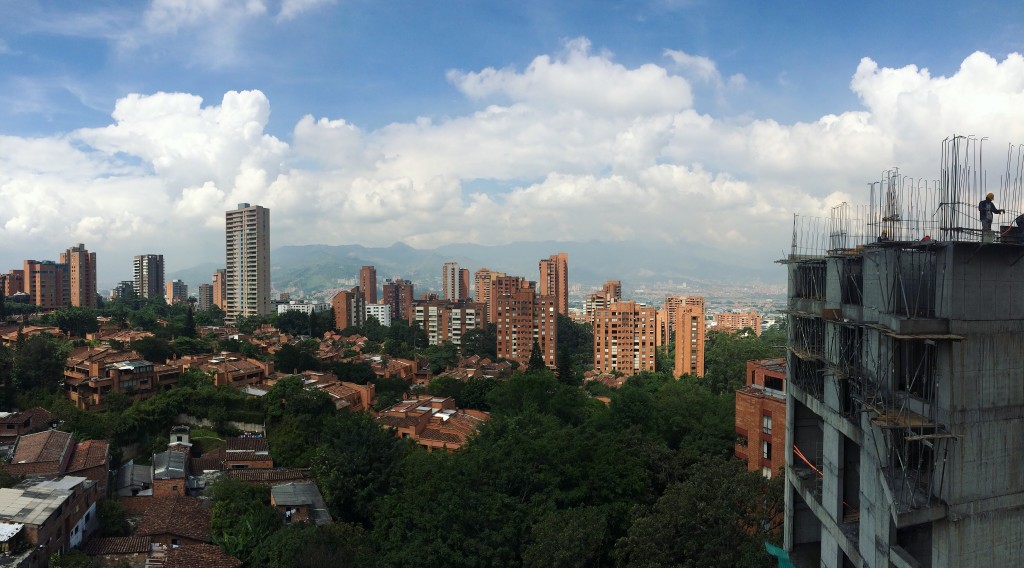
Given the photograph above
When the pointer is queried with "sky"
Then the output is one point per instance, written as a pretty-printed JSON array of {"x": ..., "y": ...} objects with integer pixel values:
[{"x": 132, "y": 127}]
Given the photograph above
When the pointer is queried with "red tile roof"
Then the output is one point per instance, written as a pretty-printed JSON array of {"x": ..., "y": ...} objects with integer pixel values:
[
  {"x": 181, "y": 516},
  {"x": 48, "y": 446},
  {"x": 269, "y": 475},
  {"x": 205, "y": 555},
  {"x": 118, "y": 545},
  {"x": 248, "y": 445},
  {"x": 87, "y": 454}
]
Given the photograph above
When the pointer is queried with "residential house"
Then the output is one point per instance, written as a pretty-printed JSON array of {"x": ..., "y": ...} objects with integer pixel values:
[
  {"x": 433, "y": 422},
  {"x": 40, "y": 518},
  {"x": 300, "y": 502}
]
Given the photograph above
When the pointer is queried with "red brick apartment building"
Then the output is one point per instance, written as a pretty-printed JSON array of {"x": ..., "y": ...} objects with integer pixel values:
[
  {"x": 761, "y": 417},
  {"x": 554, "y": 280},
  {"x": 734, "y": 321},
  {"x": 522, "y": 318},
  {"x": 625, "y": 338},
  {"x": 349, "y": 308},
  {"x": 230, "y": 369},
  {"x": 689, "y": 336},
  {"x": 399, "y": 295}
]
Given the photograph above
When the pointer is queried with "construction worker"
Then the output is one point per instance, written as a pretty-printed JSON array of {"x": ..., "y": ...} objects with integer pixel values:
[
  {"x": 1014, "y": 234},
  {"x": 986, "y": 208}
]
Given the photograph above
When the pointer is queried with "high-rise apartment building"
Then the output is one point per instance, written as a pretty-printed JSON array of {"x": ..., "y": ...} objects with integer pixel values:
[
  {"x": 554, "y": 280},
  {"x": 522, "y": 318},
  {"x": 610, "y": 293},
  {"x": 148, "y": 270},
  {"x": 672, "y": 304},
  {"x": 47, "y": 283},
  {"x": 177, "y": 291},
  {"x": 483, "y": 282},
  {"x": 625, "y": 338},
  {"x": 689, "y": 336},
  {"x": 349, "y": 308},
  {"x": 738, "y": 321},
  {"x": 368, "y": 283},
  {"x": 399, "y": 295},
  {"x": 448, "y": 321},
  {"x": 454, "y": 282},
  {"x": 504, "y": 286},
  {"x": 81, "y": 269},
  {"x": 14, "y": 282},
  {"x": 247, "y": 245},
  {"x": 220, "y": 287},
  {"x": 204, "y": 300}
]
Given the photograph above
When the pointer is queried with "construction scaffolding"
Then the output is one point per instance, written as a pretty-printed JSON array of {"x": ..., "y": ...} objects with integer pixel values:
[{"x": 904, "y": 209}]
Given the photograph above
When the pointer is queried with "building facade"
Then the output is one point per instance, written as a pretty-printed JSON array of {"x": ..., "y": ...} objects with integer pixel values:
[
  {"x": 349, "y": 308},
  {"x": 761, "y": 417},
  {"x": 733, "y": 322},
  {"x": 220, "y": 296},
  {"x": 47, "y": 284},
  {"x": 368, "y": 283},
  {"x": 523, "y": 318},
  {"x": 448, "y": 321},
  {"x": 625, "y": 338},
  {"x": 177, "y": 292},
  {"x": 382, "y": 313},
  {"x": 247, "y": 246},
  {"x": 148, "y": 270},
  {"x": 81, "y": 268},
  {"x": 554, "y": 280},
  {"x": 399, "y": 295},
  {"x": 304, "y": 307},
  {"x": 904, "y": 401},
  {"x": 204, "y": 300},
  {"x": 689, "y": 336}
]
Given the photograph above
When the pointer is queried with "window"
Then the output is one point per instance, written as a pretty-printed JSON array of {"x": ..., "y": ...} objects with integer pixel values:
[
  {"x": 766, "y": 450},
  {"x": 766, "y": 424},
  {"x": 766, "y": 472}
]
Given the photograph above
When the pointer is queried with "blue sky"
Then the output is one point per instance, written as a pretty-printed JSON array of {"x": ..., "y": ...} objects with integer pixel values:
[{"x": 434, "y": 122}]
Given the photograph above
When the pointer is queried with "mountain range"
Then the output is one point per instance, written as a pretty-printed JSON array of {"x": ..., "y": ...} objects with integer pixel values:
[{"x": 312, "y": 269}]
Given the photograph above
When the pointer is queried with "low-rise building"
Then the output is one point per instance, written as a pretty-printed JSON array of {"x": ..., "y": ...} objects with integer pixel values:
[
  {"x": 381, "y": 312},
  {"x": 300, "y": 502},
  {"x": 433, "y": 422},
  {"x": 14, "y": 424},
  {"x": 40, "y": 518},
  {"x": 230, "y": 369},
  {"x": 303, "y": 307},
  {"x": 738, "y": 321},
  {"x": 91, "y": 374},
  {"x": 761, "y": 417}
]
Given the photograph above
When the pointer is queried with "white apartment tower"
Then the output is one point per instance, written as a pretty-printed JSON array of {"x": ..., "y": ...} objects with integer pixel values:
[{"x": 247, "y": 245}]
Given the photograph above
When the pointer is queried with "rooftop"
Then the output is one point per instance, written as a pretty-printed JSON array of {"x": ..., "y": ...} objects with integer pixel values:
[{"x": 33, "y": 501}]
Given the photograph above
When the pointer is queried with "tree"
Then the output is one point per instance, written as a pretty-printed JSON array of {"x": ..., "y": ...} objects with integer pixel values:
[
  {"x": 568, "y": 538},
  {"x": 536, "y": 358},
  {"x": 113, "y": 518},
  {"x": 74, "y": 559},
  {"x": 153, "y": 349},
  {"x": 241, "y": 517},
  {"x": 356, "y": 465},
  {"x": 482, "y": 342},
  {"x": 726, "y": 355},
  {"x": 39, "y": 362},
  {"x": 340, "y": 545},
  {"x": 296, "y": 358},
  {"x": 74, "y": 321},
  {"x": 719, "y": 515},
  {"x": 575, "y": 352},
  {"x": 442, "y": 357}
]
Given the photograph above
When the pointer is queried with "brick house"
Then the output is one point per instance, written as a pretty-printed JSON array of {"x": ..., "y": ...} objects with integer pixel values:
[{"x": 432, "y": 422}]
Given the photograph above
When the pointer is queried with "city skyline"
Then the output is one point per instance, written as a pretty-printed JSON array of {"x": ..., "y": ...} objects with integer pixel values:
[{"x": 667, "y": 122}]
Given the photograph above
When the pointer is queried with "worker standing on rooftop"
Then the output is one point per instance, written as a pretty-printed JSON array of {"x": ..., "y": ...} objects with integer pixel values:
[{"x": 986, "y": 209}]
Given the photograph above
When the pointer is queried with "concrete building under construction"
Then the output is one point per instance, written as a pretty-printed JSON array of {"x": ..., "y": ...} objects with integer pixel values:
[{"x": 905, "y": 384}]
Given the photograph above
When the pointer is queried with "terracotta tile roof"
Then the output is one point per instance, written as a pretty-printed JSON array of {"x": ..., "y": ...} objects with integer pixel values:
[
  {"x": 269, "y": 475},
  {"x": 248, "y": 445},
  {"x": 440, "y": 436},
  {"x": 182, "y": 516},
  {"x": 102, "y": 355},
  {"x": 48, "y": 446},
  {"x": 118, "y": 545},
  {"x": 197, "y": 466},
  {"x": 205, "y": 555},
  {"x": 246, "y": 456},
  {"x": 398, "y": 421},
  {"x": 38, "y": 416},
  {"x": 87, "y": 454}
]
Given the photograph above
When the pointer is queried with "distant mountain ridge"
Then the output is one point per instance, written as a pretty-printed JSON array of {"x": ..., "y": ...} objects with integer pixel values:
[{"x": 309, "y": 269}]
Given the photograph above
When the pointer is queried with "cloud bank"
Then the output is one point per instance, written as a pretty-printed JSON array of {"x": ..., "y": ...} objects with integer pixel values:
[{"x": 575, "y": 146}]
